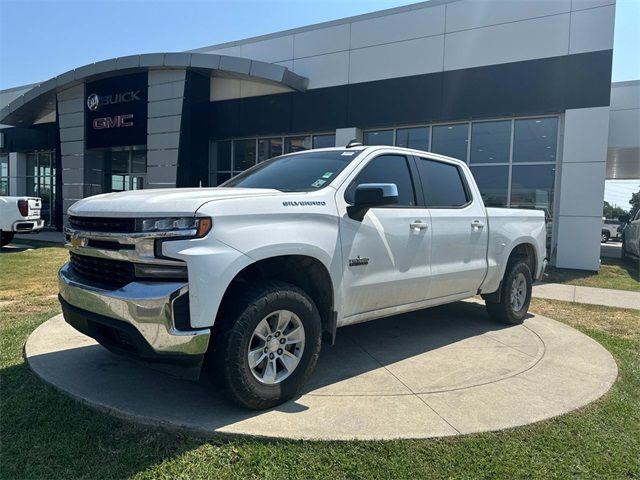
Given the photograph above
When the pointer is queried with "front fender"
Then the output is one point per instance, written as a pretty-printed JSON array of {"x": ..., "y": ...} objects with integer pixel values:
[{"x": 212, "y": 265}]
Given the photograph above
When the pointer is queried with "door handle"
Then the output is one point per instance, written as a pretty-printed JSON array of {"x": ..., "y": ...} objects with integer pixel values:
[
  {"x": 418, "y": 225},
  {"x": 477, "y": 225}
]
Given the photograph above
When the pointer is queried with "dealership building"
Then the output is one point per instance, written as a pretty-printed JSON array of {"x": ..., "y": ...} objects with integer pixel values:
[{"x": 521, "y": 91}]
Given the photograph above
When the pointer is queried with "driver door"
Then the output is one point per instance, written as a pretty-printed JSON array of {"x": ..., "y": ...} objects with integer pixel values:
[{"x": 386, "y": 255}]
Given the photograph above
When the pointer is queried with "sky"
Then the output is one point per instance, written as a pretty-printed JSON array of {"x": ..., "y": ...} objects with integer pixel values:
[{"x": 41, "y": 39}]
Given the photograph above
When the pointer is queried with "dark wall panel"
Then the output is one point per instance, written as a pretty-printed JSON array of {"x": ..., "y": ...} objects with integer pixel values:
[
  {"x": 549, "y": 85},
  {"x": 27, "y": 139},
  {"x": 397, "y": 100},
  {"x": 320, "y": 109}
]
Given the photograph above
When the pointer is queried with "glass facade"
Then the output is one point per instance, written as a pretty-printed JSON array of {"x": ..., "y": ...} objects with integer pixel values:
[
  {"x": 41, "y": 182},
  {"x": 417, "y": 138},
  {"x": 231, "y": 157},
  {"x": 125, "y": 170},
  {"x": 513, "y": 160},
  {"x": 4, "y": 174},
  {"x": 451, "y": 140},
  {"x": 378, "y": 137}
]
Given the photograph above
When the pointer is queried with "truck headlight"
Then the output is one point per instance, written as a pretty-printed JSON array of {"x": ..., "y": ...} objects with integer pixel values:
[{"x": 201, "y": 225}]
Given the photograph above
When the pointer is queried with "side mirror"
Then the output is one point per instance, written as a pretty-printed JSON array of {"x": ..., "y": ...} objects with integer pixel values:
[{"x": 370, "y": 195}]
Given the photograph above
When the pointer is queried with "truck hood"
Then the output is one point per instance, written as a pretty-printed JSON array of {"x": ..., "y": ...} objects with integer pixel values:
[{"x": 160, "y": 202}]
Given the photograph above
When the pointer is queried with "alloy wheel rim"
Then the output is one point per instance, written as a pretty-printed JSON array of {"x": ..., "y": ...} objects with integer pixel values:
[
  {"x": 518, "y": 292},
  {"x": 276, "y": 347}
]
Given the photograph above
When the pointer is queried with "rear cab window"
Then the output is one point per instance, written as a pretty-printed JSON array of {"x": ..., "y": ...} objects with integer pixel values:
[{"x": 443, "y": 184}]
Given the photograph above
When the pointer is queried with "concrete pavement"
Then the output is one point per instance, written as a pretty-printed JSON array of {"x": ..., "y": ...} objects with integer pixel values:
[
  {"x": 593, "y": 296},
  {"x": 437, "y": 372}
]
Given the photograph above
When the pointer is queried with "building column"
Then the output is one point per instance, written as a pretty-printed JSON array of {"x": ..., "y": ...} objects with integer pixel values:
[
  {"x": 17, "y": 172},
  {"x": 81, "y": 172},
  {"x": 165, "y": 97},
  {"x": 581, "y": 188}
]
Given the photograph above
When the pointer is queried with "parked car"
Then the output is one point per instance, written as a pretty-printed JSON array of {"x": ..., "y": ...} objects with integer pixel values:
[
  {"x": 631, "y": 239},
  {"x": 19, "y": 215},
  {"x": 242, "y": 282},
  {"x": 611, "y": 230}
]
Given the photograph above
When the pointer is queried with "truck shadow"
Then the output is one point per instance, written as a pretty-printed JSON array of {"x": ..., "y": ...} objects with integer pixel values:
[{"x": 128, "y": 389}]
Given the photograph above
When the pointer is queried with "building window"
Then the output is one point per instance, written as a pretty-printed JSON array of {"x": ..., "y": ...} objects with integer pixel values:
[
  {"x": 269, "y": 148},
  {"x": 297, "y": 144},
  {"x": 220, "y": 167},
  {"x": 41, "y": 182},
  {"x": 126, "y": 170},
  {"x": 451, "y": 140},
  {"x": 378, "y": 137},
  {"x": 4, "y": 174},
  {"x": 417, "y": 138},
  {"x": 490, "y": 142},
  {"x": 532, "y": 187},
  {"x": 493, "y": 183},
  {"x": 324, "y": 141},
  {"x": 244, "y": 154},
  {"x": 535, "y": 140}
]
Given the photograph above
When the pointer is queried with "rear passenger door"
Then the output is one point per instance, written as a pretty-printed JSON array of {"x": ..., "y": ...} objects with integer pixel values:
[{"x": 459, "y": 233}]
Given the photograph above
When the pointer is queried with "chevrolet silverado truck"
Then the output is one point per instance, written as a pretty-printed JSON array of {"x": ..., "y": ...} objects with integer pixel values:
[
  {"x": 19, "y": 215},
  {"x": 243, "y": 282}
]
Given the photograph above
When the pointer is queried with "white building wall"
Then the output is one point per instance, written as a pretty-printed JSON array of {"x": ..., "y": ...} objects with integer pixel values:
[
  {"x": 432, "y": 37},
  {"x": 623, "y": 155}
]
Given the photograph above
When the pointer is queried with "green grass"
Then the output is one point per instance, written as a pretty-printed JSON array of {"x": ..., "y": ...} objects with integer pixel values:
[
  {"x": 47, "y": 435},
  {"x": 613, "y": 273}
]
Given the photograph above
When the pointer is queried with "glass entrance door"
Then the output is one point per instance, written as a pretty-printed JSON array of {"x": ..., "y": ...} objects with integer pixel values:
[
  {"x": 41, "y": 182},
  {"x": 126, "y": 170}
]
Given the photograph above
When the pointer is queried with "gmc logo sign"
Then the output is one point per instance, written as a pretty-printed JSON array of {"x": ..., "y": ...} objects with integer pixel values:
[{"x": 116, "y": 121}]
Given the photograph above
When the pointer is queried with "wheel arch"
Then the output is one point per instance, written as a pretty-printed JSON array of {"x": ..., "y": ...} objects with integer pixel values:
[{"x": 304, "y": 271}]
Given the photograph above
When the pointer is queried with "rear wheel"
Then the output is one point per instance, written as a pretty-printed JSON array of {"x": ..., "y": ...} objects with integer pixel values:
[
  {"x": 6, "y": 238},
  {"x": 515, "y": 295},
  {"x": 268, "y": 344},
  {"x": 604, "y": 236}
]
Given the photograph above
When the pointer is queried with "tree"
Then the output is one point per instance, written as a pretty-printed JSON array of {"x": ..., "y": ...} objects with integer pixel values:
[
  {"x": 635, "y": 203},
  {"x": 609, "y": 211}
]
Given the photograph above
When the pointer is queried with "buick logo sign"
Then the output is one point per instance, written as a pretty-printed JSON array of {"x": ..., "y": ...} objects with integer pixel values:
[{"x": 93, "y": 102}]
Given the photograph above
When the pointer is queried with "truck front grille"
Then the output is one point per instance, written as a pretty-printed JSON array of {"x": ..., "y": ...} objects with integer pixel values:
[
  {"x": 110, "y": 273},
  {"x": 104, "y": 224}
]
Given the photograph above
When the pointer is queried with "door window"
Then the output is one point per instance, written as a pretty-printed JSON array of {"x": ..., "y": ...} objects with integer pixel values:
[
  {"x": 442, "y": 184},
  {"x": 387, "y": 169}
]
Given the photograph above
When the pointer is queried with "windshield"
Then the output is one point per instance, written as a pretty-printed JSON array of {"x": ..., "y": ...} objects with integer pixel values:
[{"x": 302, "y": 172}]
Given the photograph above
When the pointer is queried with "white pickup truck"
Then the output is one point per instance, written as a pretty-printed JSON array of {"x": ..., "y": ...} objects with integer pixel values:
[
  {"x": 242, "y": 282},
  {"x": 19, "y": 215}
]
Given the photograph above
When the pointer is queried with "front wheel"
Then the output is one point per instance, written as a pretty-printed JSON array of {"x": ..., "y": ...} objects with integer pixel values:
[
  {"x": 604, "y": 237},
  {"x": 6, "y": 238},
  {"x": 268, "y": 344},
  {"x": 515, "y": 295}
]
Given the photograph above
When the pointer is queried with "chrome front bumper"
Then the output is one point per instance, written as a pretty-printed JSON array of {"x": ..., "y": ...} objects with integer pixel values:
[{"x": 145, "y": 307}]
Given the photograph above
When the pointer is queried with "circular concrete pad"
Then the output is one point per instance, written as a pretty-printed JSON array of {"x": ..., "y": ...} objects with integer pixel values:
[{"x": 437, "y": 372}]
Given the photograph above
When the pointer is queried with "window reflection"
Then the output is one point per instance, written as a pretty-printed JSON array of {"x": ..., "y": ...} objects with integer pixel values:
[
  {"x": 380, "y": 137},
  {"x": 324, "y": 141},
  {"x": 297, "y": 144},
  {"x": 451, "y": 140},
  {"x": 244, "y": 154},
  {"x": 535, "y": 140},
  {"x": 269, "y": 148},
  {"x": 490, "y": 142},
  {"x": 493, "y": 183},
  {"x": 532, "y": 187},
  {"x": 417, "y": 138}
]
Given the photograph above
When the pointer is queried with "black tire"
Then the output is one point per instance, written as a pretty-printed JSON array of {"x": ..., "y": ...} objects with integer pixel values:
[
  {"x": 6, "y": 238},
  {"x": 605, "y": 236},
  {"x": 503, "y": 310},
  {"x": 227, "y": 363}
]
